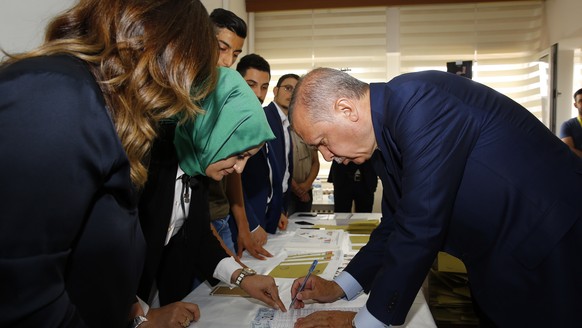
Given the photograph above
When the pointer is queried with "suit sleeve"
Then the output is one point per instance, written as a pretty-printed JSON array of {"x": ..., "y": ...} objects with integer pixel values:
[
  {"x": 251, "y": 215},
  {"x": 434, "y": 138}
]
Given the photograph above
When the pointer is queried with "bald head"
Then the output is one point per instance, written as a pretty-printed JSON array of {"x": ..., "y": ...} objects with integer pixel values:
[
  {"x": 330, "y": 110},
  {"x": 317, "y": 91}
]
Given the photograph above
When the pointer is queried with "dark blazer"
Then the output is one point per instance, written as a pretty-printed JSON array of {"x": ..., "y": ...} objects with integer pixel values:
[
  {"x": 278, "y": 147},
  {"x": 351, "y": 188},
  {"x": 342, "y": 176},
  {"x": 71, "y": 249},
  {"x": 194, "y": 251},
  {"x": 257, "y": 188},
  {"x": 466, "y": 170}
]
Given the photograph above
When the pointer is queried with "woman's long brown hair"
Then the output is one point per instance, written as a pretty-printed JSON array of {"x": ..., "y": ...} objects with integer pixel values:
[{"x": 147, "y": 56}]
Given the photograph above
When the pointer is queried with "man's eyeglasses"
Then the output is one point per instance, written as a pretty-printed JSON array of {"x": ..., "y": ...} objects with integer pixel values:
[{"x": 287, "y": 87}]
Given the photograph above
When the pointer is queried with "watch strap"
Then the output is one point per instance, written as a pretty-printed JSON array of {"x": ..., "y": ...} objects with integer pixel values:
[
  {"x": 137, "y": 321},
  {"x": 245, "y": 272}
]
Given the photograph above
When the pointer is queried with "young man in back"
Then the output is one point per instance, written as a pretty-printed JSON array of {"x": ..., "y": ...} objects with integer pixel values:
[
  {"x": 225, "y": 197},
  {"x": 262, "y": 180},
  {"x": 571, "y": 130}
]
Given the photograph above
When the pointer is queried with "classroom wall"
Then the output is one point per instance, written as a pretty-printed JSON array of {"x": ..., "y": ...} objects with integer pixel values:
[
  {"x": 22, "y": 22},
  {"x": 563, "y": 17}
]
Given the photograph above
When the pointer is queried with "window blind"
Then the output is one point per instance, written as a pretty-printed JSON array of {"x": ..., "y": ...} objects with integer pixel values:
[
  {"x": 297, "y": 41},
  {"x": 502, "y": 39}
]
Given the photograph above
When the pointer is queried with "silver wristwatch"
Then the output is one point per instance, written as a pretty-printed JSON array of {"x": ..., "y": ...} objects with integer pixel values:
[
  {"x": 243, "y": 274},
  {"x": 137, "y": 321}
]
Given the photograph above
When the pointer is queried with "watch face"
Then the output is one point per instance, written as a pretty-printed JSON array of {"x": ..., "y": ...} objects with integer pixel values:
[{"x": 249, "y": 271}]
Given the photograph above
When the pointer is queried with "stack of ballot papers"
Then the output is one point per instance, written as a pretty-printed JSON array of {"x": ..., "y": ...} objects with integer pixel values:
[
  {"x": 270, "y": 318},
  {"x": 313, "y": 238},
  {"x": 296, "y": 266}
]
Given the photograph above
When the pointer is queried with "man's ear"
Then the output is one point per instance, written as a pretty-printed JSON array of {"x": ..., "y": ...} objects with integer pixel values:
[{"x": 346, "y": 108}]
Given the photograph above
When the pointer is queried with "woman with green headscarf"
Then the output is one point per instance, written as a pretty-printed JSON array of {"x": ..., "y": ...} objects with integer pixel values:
[
  {"x": 233, "y": 127},
  {"x": 214, "y": 144}
]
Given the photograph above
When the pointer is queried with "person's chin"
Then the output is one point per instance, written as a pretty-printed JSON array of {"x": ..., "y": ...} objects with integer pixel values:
[
  {"x": 358, "y": 160},
  {"x": 217, "y": 177}
]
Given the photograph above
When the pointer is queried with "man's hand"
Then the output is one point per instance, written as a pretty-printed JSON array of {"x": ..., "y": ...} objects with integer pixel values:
[
  {"x": 304, "y": 187},
  {"x": 259, "y": 236},
  {"x": 283, "y": 221},
  {"x": 305, "y": 198},
  {"x": 317, "y": 289},
  {"x": 246, "y": 241},
  {"x": 297, "y": 189},
  {"x": 263, "y": 288},
  {"x": 174, "y": 315},
  {"x": 328, "y": 319}
]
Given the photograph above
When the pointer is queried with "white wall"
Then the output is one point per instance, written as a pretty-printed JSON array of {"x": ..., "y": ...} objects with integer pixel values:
[
  {"x": 563, "y": 17},
  {"x": 23, "y": 22}
]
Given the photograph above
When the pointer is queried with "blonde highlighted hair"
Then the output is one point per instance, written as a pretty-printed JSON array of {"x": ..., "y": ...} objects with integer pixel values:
[{"x": 147, "y": 55}]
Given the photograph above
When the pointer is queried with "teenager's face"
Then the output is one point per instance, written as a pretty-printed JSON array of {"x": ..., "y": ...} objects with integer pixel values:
[
  {"x": 578, "y": 104},
  {"x": 230, "y": 46},
  {"x": 258, "y": 81}
]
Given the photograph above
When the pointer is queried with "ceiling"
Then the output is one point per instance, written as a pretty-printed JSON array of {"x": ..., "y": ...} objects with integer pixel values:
[{"x": 271, "y": 5}]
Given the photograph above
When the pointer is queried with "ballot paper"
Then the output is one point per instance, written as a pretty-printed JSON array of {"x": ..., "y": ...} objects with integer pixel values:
[
  {"x": 271, "y": 318},
  {"x": 297, "y": 265},
  {"x": 316, "y": 239}
]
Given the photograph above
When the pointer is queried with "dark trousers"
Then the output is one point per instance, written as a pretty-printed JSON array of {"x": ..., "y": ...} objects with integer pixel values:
[
  {"x": 344, "y": 196},
  {"x": 296, "y": 205}
]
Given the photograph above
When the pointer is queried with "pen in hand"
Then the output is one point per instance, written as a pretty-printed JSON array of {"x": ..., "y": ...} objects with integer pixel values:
[{"x": 302, "y": 287}]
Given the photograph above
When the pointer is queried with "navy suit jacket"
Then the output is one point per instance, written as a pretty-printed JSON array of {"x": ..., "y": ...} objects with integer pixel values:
[
  {"x": 256, "y": 181},
  {"x": 466, "y": 170},
  {"x": 278, "y": 147},
  {"x": 257, "y": 188}
]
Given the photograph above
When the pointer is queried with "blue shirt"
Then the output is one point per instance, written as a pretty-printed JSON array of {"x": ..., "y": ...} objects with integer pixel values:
[{"x": 572, "y": 128}]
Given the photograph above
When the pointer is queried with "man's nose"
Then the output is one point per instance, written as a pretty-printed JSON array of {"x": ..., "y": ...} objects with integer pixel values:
[
  {"x": 226, "y": 60},
  {"x": 327, "y": 155}
]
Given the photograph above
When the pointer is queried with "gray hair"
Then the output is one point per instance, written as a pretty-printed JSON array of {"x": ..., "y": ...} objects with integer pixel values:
[{"x": 320, "y": 88}]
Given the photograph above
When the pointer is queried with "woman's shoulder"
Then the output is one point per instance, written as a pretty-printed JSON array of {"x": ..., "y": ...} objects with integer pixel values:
[
  {"x": 63, "y": 65},
  {"x": 56, "y": 92}
]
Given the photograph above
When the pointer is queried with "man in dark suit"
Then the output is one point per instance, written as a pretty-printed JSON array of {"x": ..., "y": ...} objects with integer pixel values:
[
  {"x": 464, "y": 169},
  {"x": 281, "y": 147}
]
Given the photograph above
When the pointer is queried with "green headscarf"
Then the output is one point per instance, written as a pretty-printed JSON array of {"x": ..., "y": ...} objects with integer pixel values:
[{"x": 233, "y": 122}]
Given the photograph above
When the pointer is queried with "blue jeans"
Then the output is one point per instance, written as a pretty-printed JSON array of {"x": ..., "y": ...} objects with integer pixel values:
[{"x": 223, "y": 229}]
